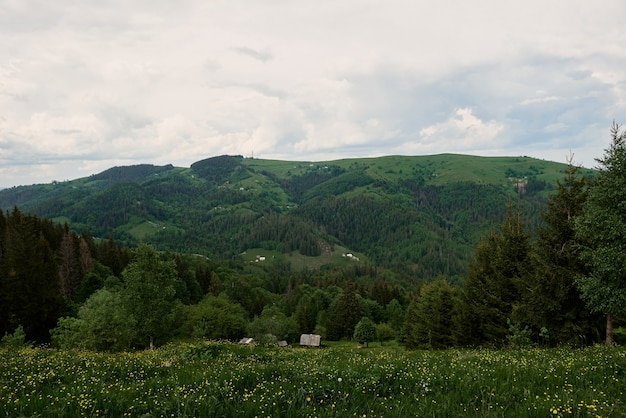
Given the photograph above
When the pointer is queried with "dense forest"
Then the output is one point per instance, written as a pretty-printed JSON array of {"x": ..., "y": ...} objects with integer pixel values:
[
  {"x": 417, "y": 216},
  {"x": 517, "y": 261}
]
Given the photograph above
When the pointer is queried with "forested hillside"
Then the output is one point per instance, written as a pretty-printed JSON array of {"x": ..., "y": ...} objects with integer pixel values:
[
  {"x": 432, "y": 251},
  {"x": 421, "y": 216}
]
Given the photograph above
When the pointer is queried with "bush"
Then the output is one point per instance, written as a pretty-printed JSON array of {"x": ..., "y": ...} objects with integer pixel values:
[
  {"x": 17, "y": 339},
  {"x": 519, "y": 337}
]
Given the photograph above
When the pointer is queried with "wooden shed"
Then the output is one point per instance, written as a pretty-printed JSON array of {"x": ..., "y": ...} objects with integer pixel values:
[{"x": 310, "y": 340}]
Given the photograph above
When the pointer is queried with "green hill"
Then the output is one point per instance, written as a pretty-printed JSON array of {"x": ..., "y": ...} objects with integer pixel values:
[{"x": 422, "y": 215}]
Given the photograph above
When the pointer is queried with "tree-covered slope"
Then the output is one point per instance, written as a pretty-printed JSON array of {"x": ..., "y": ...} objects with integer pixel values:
[{"x": 423, "y": 214}]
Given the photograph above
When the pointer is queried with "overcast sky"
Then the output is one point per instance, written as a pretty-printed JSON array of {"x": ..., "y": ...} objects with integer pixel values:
[{"x": 88, "y": 85}]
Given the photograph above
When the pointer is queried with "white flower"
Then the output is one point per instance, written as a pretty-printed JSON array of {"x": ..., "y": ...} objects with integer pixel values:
[{"x": 339, "y": 379}]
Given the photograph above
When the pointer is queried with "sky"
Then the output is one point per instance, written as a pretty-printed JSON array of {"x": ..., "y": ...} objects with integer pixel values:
[{"x": 89, "y": 85}]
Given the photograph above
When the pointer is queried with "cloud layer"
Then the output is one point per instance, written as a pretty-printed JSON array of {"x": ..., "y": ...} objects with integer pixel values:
[{"x": 88, "y": 85}]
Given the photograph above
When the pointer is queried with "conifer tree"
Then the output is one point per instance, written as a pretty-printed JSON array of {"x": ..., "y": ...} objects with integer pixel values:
[
  {"x": 306, "y": 314},
  {"x": 30, "y": 293},
  {"x": 347, "y": 314},
  {"x": 492, "y": 284},
  {"x": 602, "y": 230},
  {"x": 550, "y": 299},
  {"x": 430, "y": 316},
  {"x": 69, "y": 264}
]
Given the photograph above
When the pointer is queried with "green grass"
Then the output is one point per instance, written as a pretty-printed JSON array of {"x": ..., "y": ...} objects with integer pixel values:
[
  {"x": 434, "y": 169},
  {"x": 212, "y": 379},
  {"x": 331, "y": 255}
]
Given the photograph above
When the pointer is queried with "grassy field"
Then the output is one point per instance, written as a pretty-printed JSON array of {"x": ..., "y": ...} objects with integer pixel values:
[
  {"x": 436, "y": 169},
  {"x": 212, "y": 379}
]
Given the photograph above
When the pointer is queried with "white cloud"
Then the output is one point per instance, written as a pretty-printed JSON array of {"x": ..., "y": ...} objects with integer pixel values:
[
  {"x": 460, "y": 133},
  {"x": 90, "y": 83}
]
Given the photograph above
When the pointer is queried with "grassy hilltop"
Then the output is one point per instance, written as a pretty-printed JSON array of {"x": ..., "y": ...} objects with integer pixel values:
[{"x": 420, "y": 214}]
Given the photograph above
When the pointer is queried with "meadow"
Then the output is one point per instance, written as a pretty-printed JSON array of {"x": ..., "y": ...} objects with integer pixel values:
[{"x": 215, "y": 379}]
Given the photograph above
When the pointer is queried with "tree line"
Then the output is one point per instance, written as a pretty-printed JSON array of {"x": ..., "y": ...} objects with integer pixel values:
[{"x": 559, "y": 283}]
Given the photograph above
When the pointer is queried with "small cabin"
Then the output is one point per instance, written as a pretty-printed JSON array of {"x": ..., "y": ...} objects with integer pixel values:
[{"x": 310, "y": 340}]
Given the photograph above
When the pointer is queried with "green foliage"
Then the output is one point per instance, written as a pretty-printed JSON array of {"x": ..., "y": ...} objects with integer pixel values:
[
  {"x": 216, "y": 169},
  {"x": 15, "y": 340},
  {"x": 215, "y": 318},
  {"x": 104, "y": 323},
  {"x": 346, "y": 314},
  {"x": 518, "y": 337},
  {"x": 411, "y": 219},
  {"x": 365, "y": 331},
  {"x": 385, "y": 333},
  {"x": 132, "y": 174},
  {"x": 602, "y": 231},
  {"x": 421, "y": 216},
  {"x": 306, "y": 314},
  {"x": 274, "y": 322},
  {"x": 149, "y": 297},
  {"x": 550, "y": 299},
  {"x": 492, "y": 286},
  {"x": 394, "y": 313},
  {"x": 430, "y": 316},
  {"x": 285, "y": 234},
  {"x": 211, "y": 379},
  {"x": 30, "y": 286}
]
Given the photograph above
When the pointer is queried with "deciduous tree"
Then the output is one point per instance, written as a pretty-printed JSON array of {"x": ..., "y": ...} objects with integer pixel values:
[
  {"x": 149, "y": 296},
  {"x": 365, "y": 331}
]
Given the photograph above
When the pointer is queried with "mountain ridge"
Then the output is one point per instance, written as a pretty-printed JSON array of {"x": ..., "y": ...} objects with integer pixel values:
[{"x": 421, "y": 214}]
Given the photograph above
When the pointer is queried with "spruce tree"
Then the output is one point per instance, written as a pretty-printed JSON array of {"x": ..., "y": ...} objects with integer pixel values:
[
  {"x": 492, "y": 283},
  {"x": 550, "y": 299},
  {"x": 602, "y": 231},
  {"x": 30, "y": 292},
  {"x": 430, "y": 316},
  {"x": 347, "y": 314}
]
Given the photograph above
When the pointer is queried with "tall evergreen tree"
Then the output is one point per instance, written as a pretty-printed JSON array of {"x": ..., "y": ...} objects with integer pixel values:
[
  {"x": 306, "y": 314},
  {"x": 430, "y": 316},
  {"x": 347, "y": 314},
  {"x": 492, "y": 283},
  {"x": 602, "y": 230},
  {"x": 70, "y": 270},
  {"x": 550, "y": 299},
  {"x": 30, "y": 293}
]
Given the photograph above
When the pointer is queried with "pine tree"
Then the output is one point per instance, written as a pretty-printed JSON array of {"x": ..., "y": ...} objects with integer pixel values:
[
  {"x": 602, "y": 231},
  {"x": 492, "y": 284},
  {"x": 550, "y": 299},
  {"x": 430, "y": 316},
  {"x": 306, "y": 314},
  {"x": 29, "y": 278},
  {"x": 347, "y": 314},
  {"x": 69, "y": 264}
]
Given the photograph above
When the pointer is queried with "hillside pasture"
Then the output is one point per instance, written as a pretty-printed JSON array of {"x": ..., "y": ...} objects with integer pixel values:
[{"x": 214, "y": 379}]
